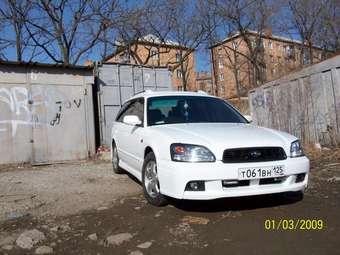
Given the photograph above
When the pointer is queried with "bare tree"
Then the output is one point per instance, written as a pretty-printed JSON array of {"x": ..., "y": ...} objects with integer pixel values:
[
  {"x": 155, "y": 28},
  {"x": 142, "y": 28},
  {"x": 65, "y": 30},
  {"x": 12, "y": 13},
  {"x": 306, "y": 16},
  {"x": 240, "y": 17},
  {"x": 186, "y": 29},
  {"x": 328, "y": 29},
  {"x": 210, "y": 20}
]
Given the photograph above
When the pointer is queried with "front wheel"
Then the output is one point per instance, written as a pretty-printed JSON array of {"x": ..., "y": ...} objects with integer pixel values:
[
  {"x": 150, "y": 182},
  {"x": 115, "y": 160}
]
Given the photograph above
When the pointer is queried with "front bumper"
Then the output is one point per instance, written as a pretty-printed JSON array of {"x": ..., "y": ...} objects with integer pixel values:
[{"x": 174, "y": 176}]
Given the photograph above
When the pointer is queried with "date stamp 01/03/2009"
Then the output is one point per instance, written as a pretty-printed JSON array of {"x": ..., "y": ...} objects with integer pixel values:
[{"x": 294, "y": 224}]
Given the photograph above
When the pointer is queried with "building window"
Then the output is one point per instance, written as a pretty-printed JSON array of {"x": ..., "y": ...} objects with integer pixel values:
[
  {"x": 234, "y": 45},
  {"x": 306, "y": 58},
  {"x": 221, "y": 77},
  {"x": 220, "y": 63},
  {"x": 180, "y": 88},
  {"x": 179, "y": 73},
  {"x": 253, "y": 44},
  {"x": 154, "y": 54},
  {"x": 124, "y": 57},
  {"x": 222, "y": 89},
  {"x": 178, "y": 57},
  {"x": 262, "y": 44},
  {"x": 270, "y": 45},
  {"x": 290, "y": 51},
  {"x": 202, "y": 86}
]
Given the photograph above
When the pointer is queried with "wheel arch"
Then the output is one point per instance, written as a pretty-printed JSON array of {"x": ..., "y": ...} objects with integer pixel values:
[{"x": 147, "y": 150}]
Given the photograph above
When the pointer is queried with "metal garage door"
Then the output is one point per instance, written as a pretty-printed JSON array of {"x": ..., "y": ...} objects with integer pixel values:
[{"x": 117, "y": 83}]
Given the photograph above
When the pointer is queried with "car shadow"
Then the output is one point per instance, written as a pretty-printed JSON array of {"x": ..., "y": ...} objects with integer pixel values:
[
  {"x": 132, "y": 177},
  {"x": 233, "y": 203},
  {"x": 237, "y": 204}
]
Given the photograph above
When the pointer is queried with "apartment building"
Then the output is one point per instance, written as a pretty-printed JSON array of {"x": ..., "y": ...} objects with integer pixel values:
[
  {"x": 152, "y": 51},
  {"x": 233, "y": 69}
]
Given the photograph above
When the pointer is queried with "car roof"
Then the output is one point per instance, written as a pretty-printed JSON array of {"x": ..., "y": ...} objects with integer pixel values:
[{"x": 149, "y": 93}]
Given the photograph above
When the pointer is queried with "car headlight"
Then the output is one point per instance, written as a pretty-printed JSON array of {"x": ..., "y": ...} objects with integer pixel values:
[
  {"x": 296, "y": 149},
  {"x": 190, "y": 153}
]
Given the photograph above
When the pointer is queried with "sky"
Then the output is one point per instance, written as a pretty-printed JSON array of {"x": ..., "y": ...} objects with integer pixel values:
[{"x": 202, "y": 55}]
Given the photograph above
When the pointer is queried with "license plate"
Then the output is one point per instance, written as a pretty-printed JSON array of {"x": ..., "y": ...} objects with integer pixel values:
[{"x": 260, "y": 172}]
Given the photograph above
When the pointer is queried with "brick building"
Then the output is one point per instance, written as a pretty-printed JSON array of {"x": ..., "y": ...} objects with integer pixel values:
[
  {"x": 151, "y": 51},
  {"x": 204, "y": 82},
  {"x": 234, "y": 74}
]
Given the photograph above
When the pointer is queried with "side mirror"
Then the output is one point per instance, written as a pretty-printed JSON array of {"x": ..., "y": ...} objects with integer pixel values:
[
  {"x": 248, "y": 118},
  {"x": 132, "y": 120}
]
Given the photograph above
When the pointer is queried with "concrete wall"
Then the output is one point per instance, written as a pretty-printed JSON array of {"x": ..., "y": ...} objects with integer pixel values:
[
  {"x": 305, "y": 104},
  {"x": 46, "y": 114},
  {"x": 116, "y": 83}
]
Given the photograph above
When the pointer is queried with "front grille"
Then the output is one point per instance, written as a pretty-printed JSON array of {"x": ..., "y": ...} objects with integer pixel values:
[
  {"x": 234, "y": 183},
  {"x": 255, "y": 154}
]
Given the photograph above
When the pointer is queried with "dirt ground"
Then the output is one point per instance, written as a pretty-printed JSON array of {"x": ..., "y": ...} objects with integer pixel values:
[
  {"x": 95, "y": 205},
  {"x": 61, "y": 189}
]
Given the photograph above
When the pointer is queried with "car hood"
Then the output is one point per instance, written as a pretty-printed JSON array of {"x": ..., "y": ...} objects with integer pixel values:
[{"x": 220, "y": 136}]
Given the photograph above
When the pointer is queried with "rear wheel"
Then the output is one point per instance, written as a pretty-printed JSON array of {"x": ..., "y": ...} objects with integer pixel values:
[
  {"x": 150, "y": 182},
  {"x": 115, "y": 160}
]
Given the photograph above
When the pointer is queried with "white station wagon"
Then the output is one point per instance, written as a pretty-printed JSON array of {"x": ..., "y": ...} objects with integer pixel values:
[{"x": 189, "y": 145}]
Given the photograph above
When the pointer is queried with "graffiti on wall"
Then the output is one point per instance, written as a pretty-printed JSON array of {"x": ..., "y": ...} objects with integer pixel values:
[{"x": 20, "y": 107}]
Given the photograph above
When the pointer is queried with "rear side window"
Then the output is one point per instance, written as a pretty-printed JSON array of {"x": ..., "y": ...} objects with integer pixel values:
[{"x": 133, "y": 107}]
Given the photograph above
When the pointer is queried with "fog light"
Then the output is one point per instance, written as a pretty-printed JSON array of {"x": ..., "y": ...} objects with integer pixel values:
[
  {"x": 300, "y": 177},
  {"x": 195, "y": 186}
]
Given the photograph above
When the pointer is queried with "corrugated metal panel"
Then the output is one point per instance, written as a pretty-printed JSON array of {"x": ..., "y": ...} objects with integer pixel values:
[
  {"x": 305, "y": 104},
  {"x": 117, "y": 83},
  {"x": 46, "y": 114}
]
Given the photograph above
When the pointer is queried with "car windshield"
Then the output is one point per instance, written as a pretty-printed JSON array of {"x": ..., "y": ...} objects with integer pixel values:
[{"x": 190, "y": 109}]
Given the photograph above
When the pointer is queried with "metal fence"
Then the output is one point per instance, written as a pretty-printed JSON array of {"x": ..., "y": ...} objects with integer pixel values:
[
  {"x": 118, "y": 82},
  {"x": 305, "y": 104},
  {"x": 46, "y": 113}
]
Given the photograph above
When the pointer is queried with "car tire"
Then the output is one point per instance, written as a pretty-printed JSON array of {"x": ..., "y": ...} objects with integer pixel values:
[
  {"x": 150, "y": 182},
  {"x": 115, "y": 160}
]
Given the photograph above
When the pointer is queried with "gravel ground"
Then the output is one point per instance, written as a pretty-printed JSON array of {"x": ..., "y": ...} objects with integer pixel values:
[{"x": 60, "y": 189}]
